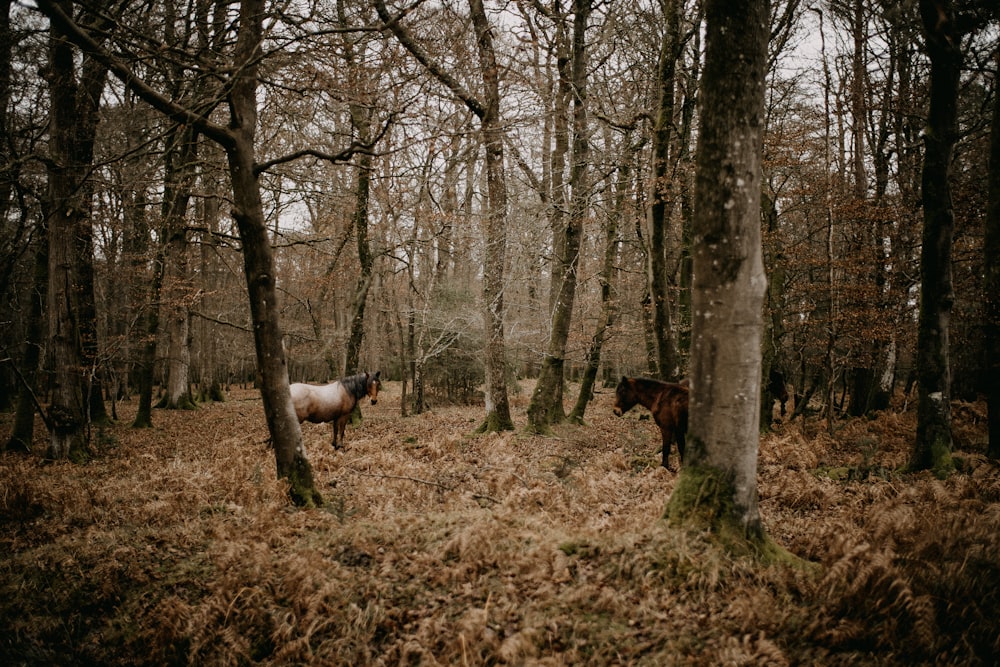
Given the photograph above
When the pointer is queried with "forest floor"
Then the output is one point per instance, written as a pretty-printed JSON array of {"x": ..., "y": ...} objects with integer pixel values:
[{"x": 177, "y": 545}]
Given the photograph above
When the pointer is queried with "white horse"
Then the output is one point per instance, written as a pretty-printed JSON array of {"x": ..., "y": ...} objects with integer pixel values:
[{"x": 334, "y": 402}]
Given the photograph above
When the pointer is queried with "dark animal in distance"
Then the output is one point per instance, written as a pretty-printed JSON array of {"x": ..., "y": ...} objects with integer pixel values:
[
  {"x": 334, "y": 402},
  {"x": 666, "y": 401},
  {"x": 776, "y": 387}
]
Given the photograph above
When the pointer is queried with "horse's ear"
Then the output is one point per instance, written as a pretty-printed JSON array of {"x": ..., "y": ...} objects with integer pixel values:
[
  {"x": 377, "y": 374},
  {"x": 624, "y": 378}
]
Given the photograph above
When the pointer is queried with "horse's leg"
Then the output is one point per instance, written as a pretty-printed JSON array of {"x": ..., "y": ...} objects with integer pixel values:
[
  {"x": 338, "y": 431},
  {"x": 680, "y": 446},
  {"x": 668, "y": 438}
]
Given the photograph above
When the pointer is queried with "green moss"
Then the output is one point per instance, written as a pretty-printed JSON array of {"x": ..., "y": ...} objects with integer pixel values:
[
  {"x": 495, "y": 424},
  {"x": 301, "y": 487},
  {"x": 942, "y": 464},
  {"x": 704, "y": 501}
]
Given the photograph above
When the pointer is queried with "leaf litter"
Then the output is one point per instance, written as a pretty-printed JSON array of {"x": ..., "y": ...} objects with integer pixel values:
[{"x": 177, "y": 545}]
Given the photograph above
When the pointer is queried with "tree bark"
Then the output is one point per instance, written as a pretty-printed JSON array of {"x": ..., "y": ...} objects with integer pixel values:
[
  {"x": 361, "y": 125},
  {"x": 22, "y": 433},
  {"x": 717, "y": 488},
  {"x": 144, "y": 299},
  {"x": 258, "y": 263},
  {"x": 774, "y": 328},
  {"x": 497, "y": 405},
  {"x": 932, "y": 447}
]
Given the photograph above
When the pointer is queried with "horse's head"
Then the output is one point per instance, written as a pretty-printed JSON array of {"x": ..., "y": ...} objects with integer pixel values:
[
  {"x": 374, "y": 384},
  {"x": 625, "y": 396}
]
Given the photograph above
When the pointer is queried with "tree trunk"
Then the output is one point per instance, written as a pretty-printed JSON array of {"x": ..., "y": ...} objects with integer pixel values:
[
  {"x": 661, "y": 205},
  {"x": 366, "y": 262},
  {"x": 932, "y": 447},
  {"x": 69, "y": 435},
  {"x": 560, "y": 150},
  {"x": 717, "y": 488},
  {"x": 546, "y": 406},
  {"x": 497, "y": 404},
  {"x": 774, "y": 328},
  {"x": 991, "y": 282},
  {"x": 258, "y": 262},
  {"x": 593, "y": 360},
  {"x": 361, "y": 125},
  {"x": 175, "y": 298},
  {"x": 23, "y": 430},
  {"x": 145, "y": 301},
  {"x": 93, "y": 77}
]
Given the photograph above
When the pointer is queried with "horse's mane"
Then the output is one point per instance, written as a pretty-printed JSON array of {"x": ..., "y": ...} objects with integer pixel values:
[{"x": 356, "y": 385}]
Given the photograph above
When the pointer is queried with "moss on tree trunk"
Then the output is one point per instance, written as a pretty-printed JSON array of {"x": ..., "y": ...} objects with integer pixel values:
[{"x": 703, "y": 500}]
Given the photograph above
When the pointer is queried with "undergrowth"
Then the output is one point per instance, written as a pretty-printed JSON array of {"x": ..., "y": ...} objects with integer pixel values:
[{"x": 178, "y": 546}]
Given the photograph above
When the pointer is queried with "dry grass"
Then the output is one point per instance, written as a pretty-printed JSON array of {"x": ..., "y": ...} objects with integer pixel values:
[{"x": 178, "y": 546}]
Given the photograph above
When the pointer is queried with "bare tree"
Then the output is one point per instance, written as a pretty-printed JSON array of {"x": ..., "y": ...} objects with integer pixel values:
[
  {"x": 662, "y": 193},
  {"x": 487, "y": 110},
  {"x": 237, "y": 139},
  {"x": 945, "y": 27},
  {"x": 361, "y": 124},
  {"x": 74, "y": 101},
  {"x": 546, "y": 402}
]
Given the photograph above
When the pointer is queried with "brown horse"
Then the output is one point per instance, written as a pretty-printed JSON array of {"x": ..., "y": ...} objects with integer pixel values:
[
  {"x": 668, "y": 403},
  {"x": 334, "y": 402}
]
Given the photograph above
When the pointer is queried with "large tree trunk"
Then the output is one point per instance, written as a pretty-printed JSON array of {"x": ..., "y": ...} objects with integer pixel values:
[
  {"x": 717, "y": 488},
  {"x": 991, "y": 282},
  {"x": 932, "y": 447},
  {"x": 546, "y": 406},
  {"x": 67, "y": 210},
  {"x": 93, "y": 77},
  {"x": 176, "y": 290}
]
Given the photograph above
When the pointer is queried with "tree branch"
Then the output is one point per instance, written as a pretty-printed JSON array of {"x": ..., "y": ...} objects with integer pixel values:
[
  {"x": 83, "y": 39},
  {"x": 406, "y": 39},
  {"x": 343, "y": 156}
]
